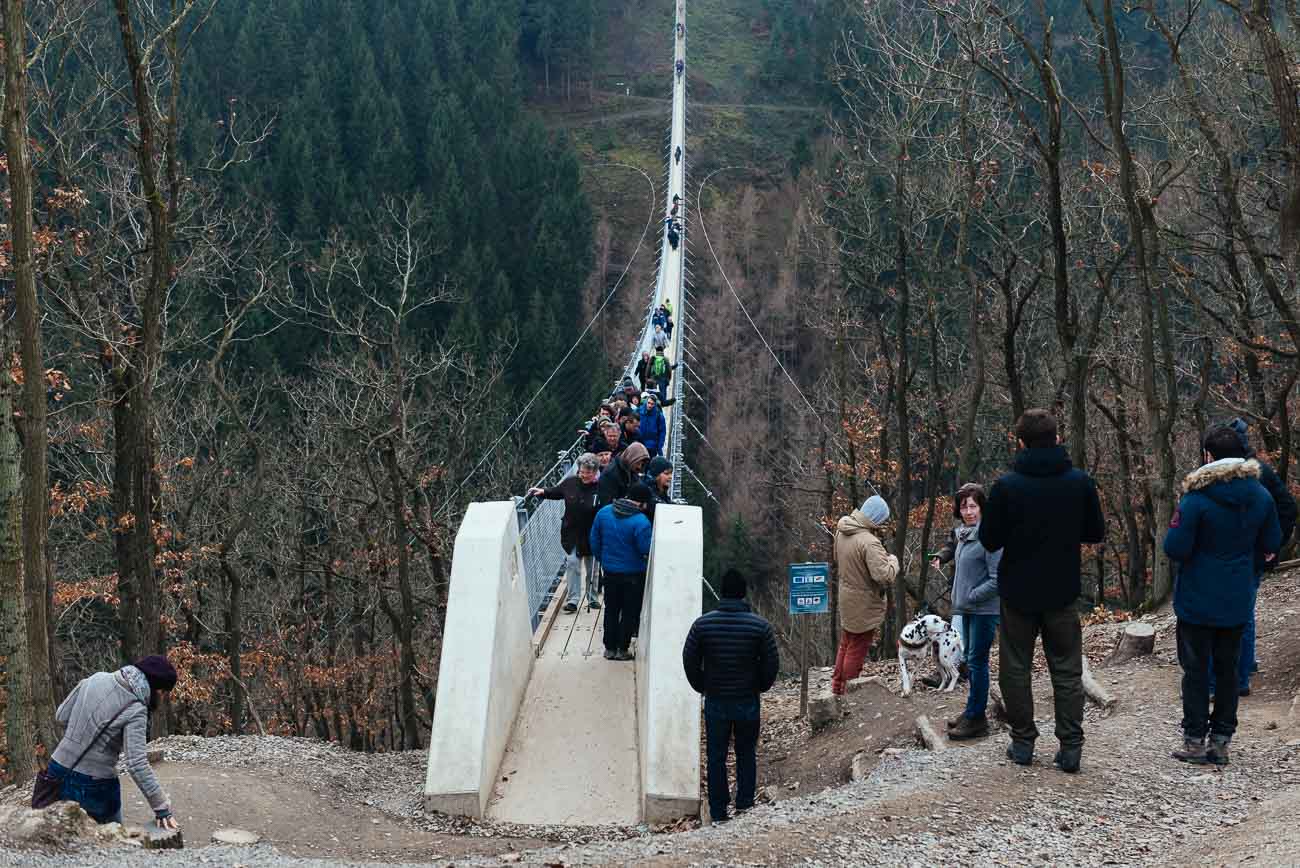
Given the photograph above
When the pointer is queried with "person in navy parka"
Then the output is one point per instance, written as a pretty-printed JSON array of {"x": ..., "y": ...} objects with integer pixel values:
[
  {"x": 1224, "y": 520},
  {"x": 653, "y": 425}
]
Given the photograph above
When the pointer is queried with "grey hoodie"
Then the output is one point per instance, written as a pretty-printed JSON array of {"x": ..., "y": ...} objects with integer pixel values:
[
  {"x": 975, "y": 575},
  {"x": 93, "y": 703}
]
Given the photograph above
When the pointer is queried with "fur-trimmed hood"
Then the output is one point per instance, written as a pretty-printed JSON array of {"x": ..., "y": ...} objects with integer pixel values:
[{"x": 1223, "y": 470}]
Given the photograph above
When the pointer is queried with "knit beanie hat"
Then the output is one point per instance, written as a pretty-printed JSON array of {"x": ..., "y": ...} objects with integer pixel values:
[
  {"x": 734, "y": 585},
  {"x": 875, "y": 509},
  {"x": 640, "y": 493},
  {"x": 158, "y": 671},
  {"x": 657, "y": 465}
]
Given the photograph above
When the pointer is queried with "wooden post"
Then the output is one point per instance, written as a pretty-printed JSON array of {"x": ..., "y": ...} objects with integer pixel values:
[{"x": 803, "y": 670}]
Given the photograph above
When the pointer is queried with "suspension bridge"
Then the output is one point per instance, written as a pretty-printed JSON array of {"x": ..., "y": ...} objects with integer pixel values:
[{"x": 531, "y": 723}]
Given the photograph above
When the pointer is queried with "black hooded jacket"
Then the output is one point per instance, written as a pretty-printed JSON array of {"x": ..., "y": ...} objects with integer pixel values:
[
  {"x": 1039, "y": 514},
  {"x": 1283, "y": 500},
  {"x": 579, "y": 512}
]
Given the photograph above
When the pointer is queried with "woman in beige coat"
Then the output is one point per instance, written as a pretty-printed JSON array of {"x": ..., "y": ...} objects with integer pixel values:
[{"x": 866, "y": 571}]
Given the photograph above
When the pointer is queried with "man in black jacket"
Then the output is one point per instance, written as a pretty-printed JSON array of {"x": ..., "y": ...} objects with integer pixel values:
[
  {"x": 579, "y": 493},
  {"x": 730, "y": 656},
  {"x": 1039, "y": 516},
  {"x": 1286, "y": 518},
  {"x": 622, "y": 472}
]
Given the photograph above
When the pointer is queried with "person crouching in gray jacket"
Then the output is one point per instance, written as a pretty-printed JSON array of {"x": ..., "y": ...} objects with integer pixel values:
[
  {"x": 104, "y": 714},
  {"x": 975, "y": 599}
]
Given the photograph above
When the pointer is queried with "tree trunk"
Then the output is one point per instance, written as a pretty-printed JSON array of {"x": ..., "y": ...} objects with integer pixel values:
[
  {"x": 16, "y": 679},
  {"x": 902, "y": 416},
  {"x": 35, "y": 435}
]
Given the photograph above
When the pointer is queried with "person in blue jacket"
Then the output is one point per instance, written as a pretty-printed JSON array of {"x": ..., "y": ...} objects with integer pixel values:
[
  {"x": 653, "y": 425},
  {"x": 620, "y": 540},
  {"x": 1224, "y": 520}
]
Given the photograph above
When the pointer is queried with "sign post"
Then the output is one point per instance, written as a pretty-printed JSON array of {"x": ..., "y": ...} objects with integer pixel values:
[{"x": 809, "y": 595}]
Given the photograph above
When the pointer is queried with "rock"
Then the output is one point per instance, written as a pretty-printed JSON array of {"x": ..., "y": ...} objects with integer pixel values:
[
  {"x": 155, "y": 755},
  {"x": 59, "y": 825},
  {"x": 823, "y": 710},
  {"x": 235, "y": 837},
  {"x": 856, "y": 684},
  {"x": 859, "y": 768}
]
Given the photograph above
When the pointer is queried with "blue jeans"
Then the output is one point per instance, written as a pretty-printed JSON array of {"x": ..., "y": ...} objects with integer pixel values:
[
  {"x": 978, "y": 633},
  {"x": 1246, "y": 658},
  {"x": 101, "y": 798},
  {"x": 723, "y": 719}
]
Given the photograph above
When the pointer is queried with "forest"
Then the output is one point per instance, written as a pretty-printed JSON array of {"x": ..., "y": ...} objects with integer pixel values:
[{"x": 286, "y": 285}]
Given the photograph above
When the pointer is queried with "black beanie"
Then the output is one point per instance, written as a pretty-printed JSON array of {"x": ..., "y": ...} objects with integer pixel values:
[
  {"x": 158, "y": 671},
  {"x": 734, "y": 586},
  {"x": 657, "y": 465},
  {"x": 640, "y": 493}
]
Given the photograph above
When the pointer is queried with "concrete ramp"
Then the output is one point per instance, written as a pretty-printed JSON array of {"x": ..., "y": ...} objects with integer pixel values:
[
  {"x": 573, "y": 757},
  {"x": 590, "y": 741}
]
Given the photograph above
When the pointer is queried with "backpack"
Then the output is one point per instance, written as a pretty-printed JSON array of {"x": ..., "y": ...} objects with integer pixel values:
[{"x": 659, "y": 367}]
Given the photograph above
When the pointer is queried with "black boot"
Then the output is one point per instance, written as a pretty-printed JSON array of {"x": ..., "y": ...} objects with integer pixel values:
[
  {"x": 1021, "y": 752},
  {"x": 1067, "y": 759},
  {"x": 969, "y": 727}
]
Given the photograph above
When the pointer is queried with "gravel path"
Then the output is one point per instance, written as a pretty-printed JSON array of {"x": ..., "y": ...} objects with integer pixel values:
[{"x": 1132, "y": 805}]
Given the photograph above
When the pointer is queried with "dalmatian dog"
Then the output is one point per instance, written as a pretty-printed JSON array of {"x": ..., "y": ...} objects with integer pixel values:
[{"x": 925, "y": 636}]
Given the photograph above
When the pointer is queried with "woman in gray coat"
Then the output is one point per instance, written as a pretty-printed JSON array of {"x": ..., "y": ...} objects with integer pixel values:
[
  {"x": 107, "y": 714},
  {"x": 975, "y": 600}
]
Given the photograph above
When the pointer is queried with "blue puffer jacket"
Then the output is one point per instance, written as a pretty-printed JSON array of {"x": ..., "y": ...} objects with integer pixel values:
[
  {"x": 653, "y": 429},
  {"x": 1224, "y": 520},
  {"x": 620, "y": 538}
]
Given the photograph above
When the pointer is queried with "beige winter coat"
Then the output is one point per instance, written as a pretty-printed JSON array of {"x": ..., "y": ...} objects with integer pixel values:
[{"x": 866, "y": 570}]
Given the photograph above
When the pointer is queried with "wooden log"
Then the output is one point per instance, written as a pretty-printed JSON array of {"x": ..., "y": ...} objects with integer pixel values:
[
  {"x": 1137, "y": 640},
  {"x": 997, "y": 707},
  {"x": 1094, "y": 691},
  {"x": 929, "y": 735}
]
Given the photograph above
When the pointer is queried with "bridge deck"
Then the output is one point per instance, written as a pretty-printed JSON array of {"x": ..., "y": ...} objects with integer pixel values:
[{"x": 572, "y": 758}]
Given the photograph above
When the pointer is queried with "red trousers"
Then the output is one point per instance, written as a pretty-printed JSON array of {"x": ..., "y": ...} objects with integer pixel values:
[{"x": 849, "y": 658}]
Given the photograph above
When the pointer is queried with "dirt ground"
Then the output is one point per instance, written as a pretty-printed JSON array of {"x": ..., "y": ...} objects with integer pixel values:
[{"x": 296, "y": 820}]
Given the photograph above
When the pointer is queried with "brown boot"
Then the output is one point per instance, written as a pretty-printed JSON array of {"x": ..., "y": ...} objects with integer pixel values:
[
  {"x": 968, "y": 728},
  {"x": 1193, "y": 751},
  {"x": 1217, "y": 752},
  {"x": 956, "y": 720}
]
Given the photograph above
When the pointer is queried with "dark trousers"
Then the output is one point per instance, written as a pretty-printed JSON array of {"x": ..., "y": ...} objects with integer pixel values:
[
  {"x": 1246, "y": 659},
  {"x": 725, "y": 719},
  {"x": 623, "y": 593},
  {"x": 1063, "y": 647},
  {"x": 1197, "y": 643}
]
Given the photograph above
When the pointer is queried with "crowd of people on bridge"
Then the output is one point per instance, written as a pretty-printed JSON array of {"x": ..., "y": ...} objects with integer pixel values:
[{"x": 610, "y": 499}]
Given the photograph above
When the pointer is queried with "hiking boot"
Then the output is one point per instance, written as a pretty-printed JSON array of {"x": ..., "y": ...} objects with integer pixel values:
[
  {"x": 1217, "y": 752},
  {"x": 969, "y": 727},
  {"x": 1021, "y": 752},
  {"x": 570, "y": 608},
  {"x": 1067, "y": 759},
  {"x": 625, "y": 655},
  {"x": 594, "y": 604},
  {"x": 611, "y": 655},
  {"x": 1193, "y": 752},
  {"x": 931, "y": 681},
  {"x": 956, "y": 720}
]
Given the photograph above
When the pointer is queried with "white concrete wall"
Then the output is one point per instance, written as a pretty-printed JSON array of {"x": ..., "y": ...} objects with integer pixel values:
[
  {"x": 668, "y": 710},
  {"x": 487, "y": 658}
]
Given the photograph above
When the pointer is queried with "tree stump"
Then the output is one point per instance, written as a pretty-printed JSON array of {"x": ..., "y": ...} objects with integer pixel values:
[
  {"x": 1095, "y": 692},
  {"x": 1137, "y": 640},
  {"x": 930, "y": 737},
  {"x": 158, "y": 838}
]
